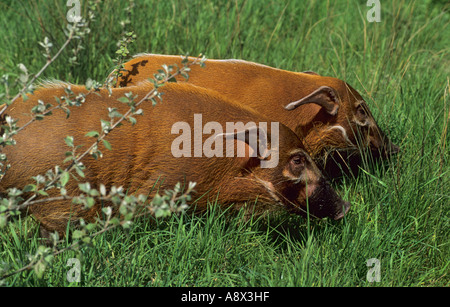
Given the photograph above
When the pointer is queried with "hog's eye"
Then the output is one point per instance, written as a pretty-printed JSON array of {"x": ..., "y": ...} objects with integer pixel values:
[
  {"x": 296, "y": 166},
  {"x": 298, "y": 160},
  {"x": 361, "y": 112},
  {"x": 361, "y": 115}
]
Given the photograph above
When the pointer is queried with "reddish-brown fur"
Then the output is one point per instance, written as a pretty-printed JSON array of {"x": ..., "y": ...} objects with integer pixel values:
[
  {"x": 141, "y": 155},
  {"x": 269, "y": 90}
]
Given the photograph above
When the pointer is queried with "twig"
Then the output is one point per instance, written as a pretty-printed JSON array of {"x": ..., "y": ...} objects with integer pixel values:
[
  {"x": 151, "y": 94},
  {"x": 50, "y": 61}
]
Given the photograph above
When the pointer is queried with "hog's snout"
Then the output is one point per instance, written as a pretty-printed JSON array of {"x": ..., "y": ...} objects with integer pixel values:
[
  {"x": 345, "y": 206},
  {"x": 392, "y": 149},
  {"x": 325, "y": 202}
]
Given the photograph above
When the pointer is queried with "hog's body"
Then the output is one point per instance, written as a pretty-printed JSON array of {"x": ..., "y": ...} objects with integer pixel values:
[{"x": 142, "y": 155}]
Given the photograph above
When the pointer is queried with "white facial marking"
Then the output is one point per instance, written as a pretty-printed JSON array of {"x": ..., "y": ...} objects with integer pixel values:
[{"x": 344, "y": 134}]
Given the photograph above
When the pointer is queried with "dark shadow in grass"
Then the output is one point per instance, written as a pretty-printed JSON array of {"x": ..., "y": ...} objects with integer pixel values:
[
  {"x": 284, "y": 228},
  {"x": 344, "y": 165}
]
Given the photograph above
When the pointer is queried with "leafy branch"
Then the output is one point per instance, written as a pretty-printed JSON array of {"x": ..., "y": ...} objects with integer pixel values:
[
  {"x": 125, "y": 208},
  {"x": 159, "y": 206},
  {"x": 59, "y": 177}
]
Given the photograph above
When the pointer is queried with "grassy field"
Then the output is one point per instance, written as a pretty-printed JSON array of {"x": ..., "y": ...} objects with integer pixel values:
[{"x": 400, "y": 213}]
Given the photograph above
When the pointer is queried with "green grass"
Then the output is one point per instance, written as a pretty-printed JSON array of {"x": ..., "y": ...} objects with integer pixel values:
[{"x": 400, "y": 212}]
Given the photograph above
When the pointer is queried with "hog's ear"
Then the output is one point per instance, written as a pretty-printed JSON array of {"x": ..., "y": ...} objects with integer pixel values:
[
  {"x": 254, "y": 137},
  {"x": 310, "y": 72},
  {"x": 324, "y": 96}
]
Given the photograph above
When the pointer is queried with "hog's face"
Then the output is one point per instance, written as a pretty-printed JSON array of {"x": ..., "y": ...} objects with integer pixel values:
[
  {"x": 297, "y": 184},
  {"x": 367, "y": 133},
  {"x": 339, "y": 141}
]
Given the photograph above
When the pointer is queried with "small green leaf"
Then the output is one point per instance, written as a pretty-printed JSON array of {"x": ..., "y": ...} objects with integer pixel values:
[
  {"x": 102, "y": 189},
  {"x": 132, "y": 120},
  {"x": 43, "y": 193},
  {"x": 69, "y": 141},
  {"x": 114, "y": 221},
  {"x": 24, "y": 97},
  {"x": 39, "y": 269},
  {"x": 77, "y": 234},
  {"x": 127, "y": 224},
  {"x": 3, "y": 220},
  {"x": 65, "y": 176},
  {"x": 107, "y": 144},
  {"x": 79, "y": 172},
  {"x": 90, "y": 201},
  {"x": 48, "y": 258},
  {"x": 124, "y": 99},
  {"x": 91, "y": 226},
  {"x": 29, "y": 188},
  {"x": 107, "y": 211},
  {"x": 92, "y": 133},
  {"x": 85, "y": 187},
  {"x": 94, "y": 192},
  {"x": 86, "y": 240}
]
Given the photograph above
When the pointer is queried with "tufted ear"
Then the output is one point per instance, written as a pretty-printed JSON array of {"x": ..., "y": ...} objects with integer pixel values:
[{"x": 324, "y": 96}]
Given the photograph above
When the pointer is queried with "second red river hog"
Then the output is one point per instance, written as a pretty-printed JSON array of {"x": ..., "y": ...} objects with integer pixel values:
[{"x": 332, "y": 119}]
